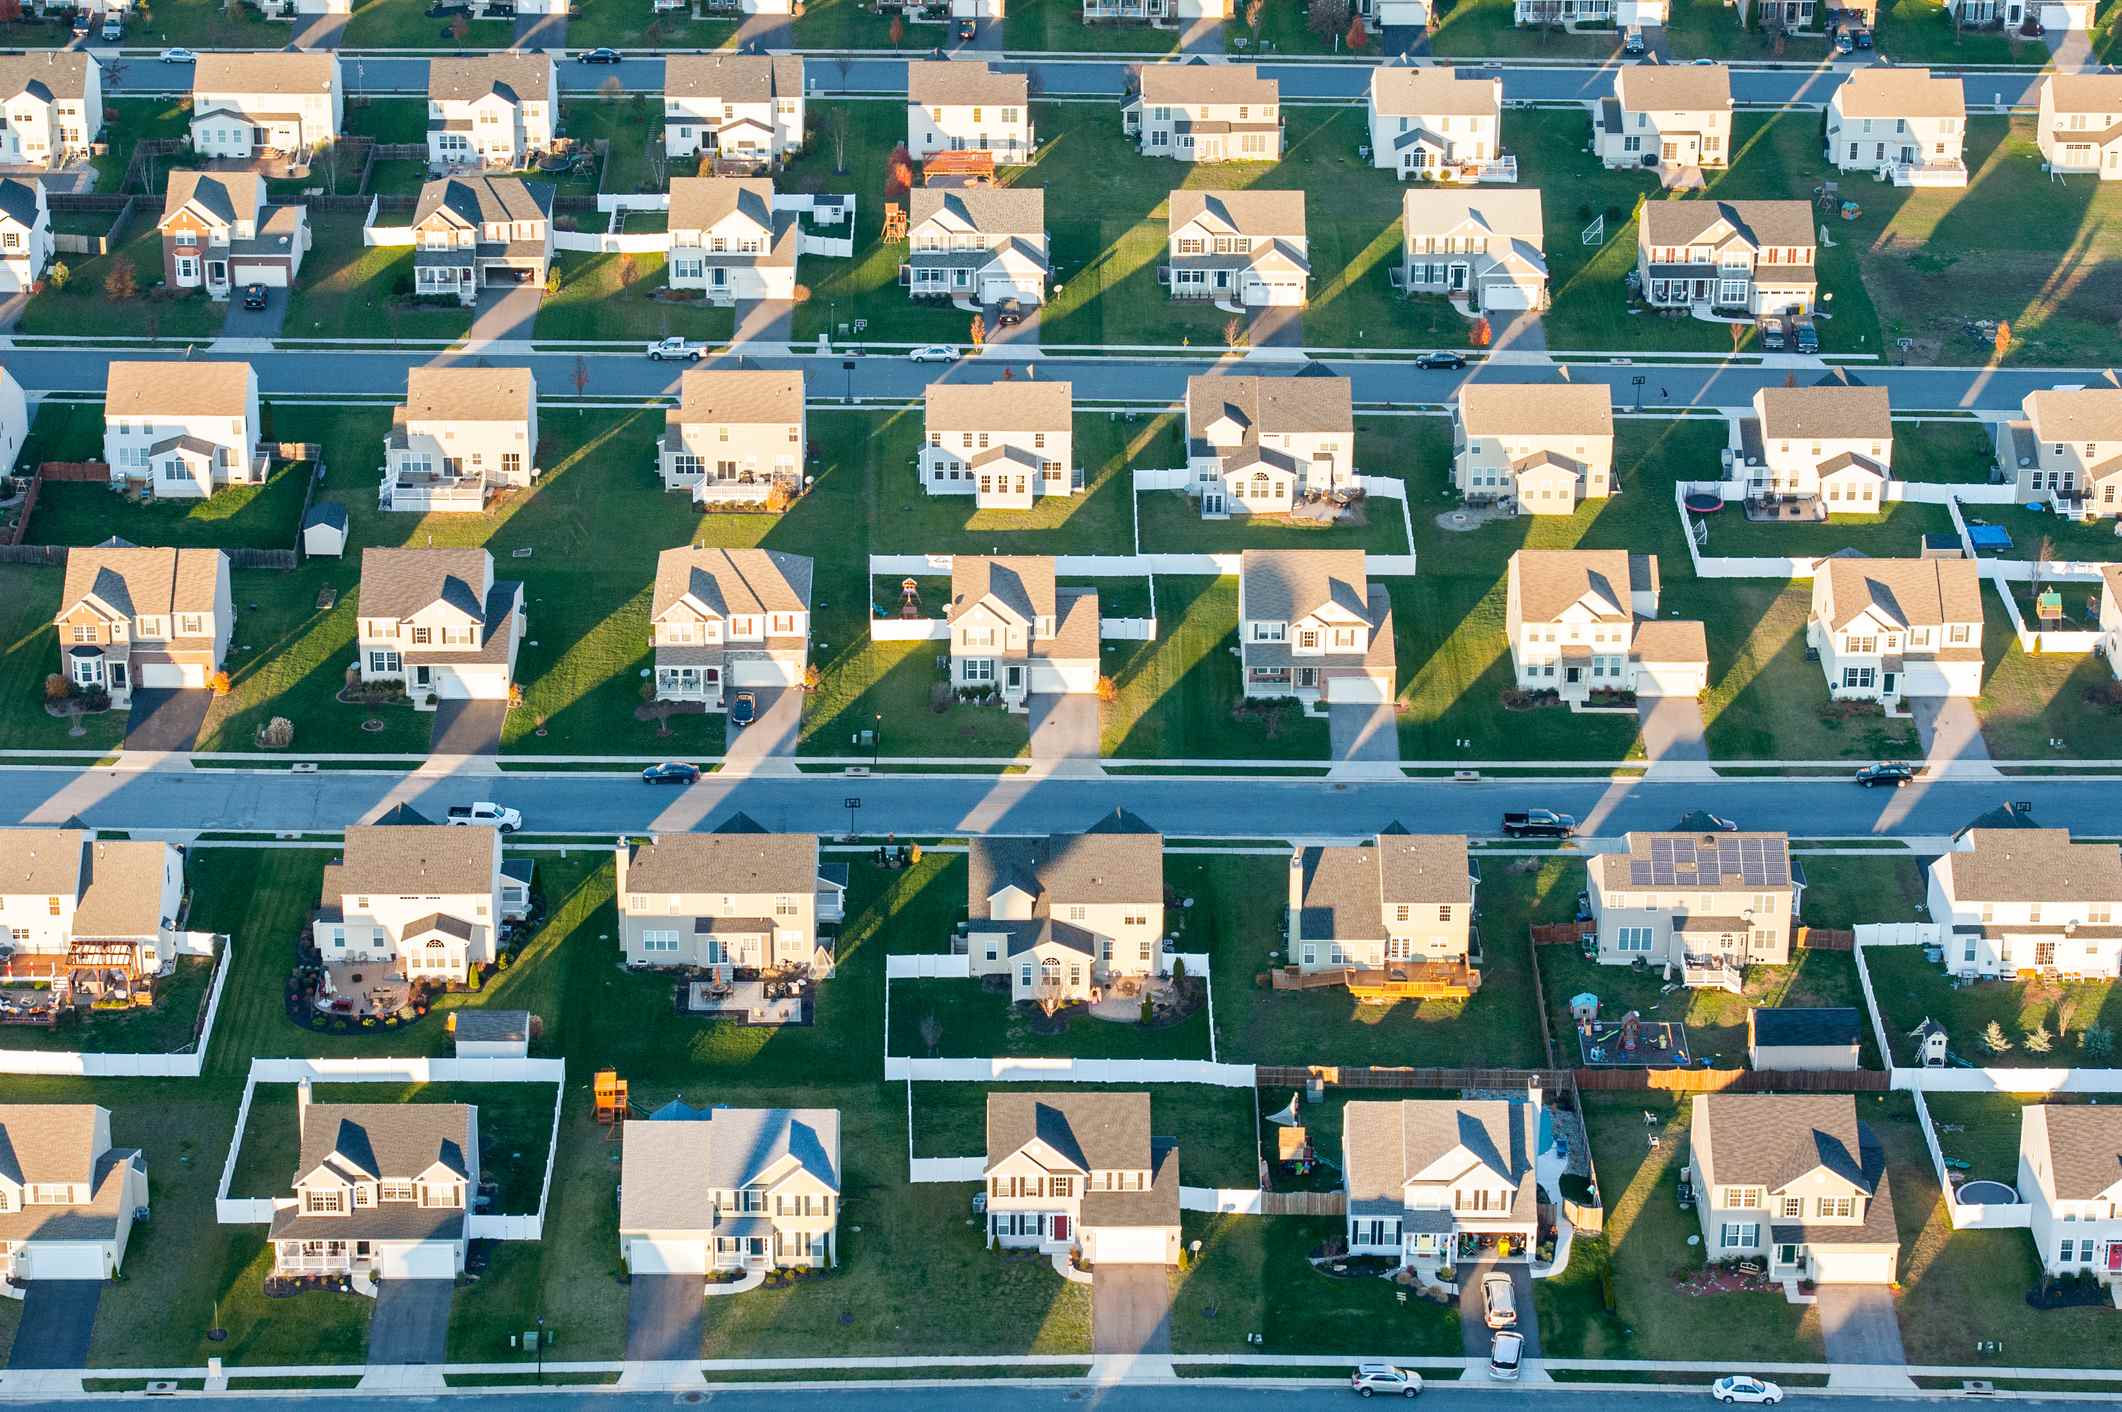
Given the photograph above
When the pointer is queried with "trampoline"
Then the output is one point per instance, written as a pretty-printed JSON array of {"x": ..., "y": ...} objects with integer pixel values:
[
  {"x": 1702, "y": 504},
  {"x": 1983, "y": 536},
  {"x": 1986, "y": 1193}
]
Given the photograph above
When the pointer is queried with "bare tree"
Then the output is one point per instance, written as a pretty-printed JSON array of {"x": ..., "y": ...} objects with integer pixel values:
[
  {"x": 581, "y": 375},
  {"x": 1255, "y": 11},
  {"x": 1328, "y": 19},
  {"x": 931, "y": 1031},
  {"x": 837, "y": 123}
]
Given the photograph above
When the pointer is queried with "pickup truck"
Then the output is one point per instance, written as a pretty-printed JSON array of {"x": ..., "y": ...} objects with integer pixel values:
[
  {"x": 495, "y": 815},
  {"x": 1537, "y": 823},
  {"x": 676, "y": 348}
]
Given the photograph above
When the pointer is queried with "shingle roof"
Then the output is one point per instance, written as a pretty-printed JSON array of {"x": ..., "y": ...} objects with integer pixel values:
[
  {"x": 2085, "y": 93},
  {"x": 1270, "y": 405},
  {"x": 1022, "y": 582},
  {"x": 121, "y": 896},
  {"x": 1183, "y": 83},
  {"x": 740, "y": 397},
  {"x": 1686, "y": 862},
  {"x": 1671, "y": 640},
  {"x": 1043, "y": 405},
  {"x": 1386, "y": 1144},
  {"x": 143, "y": 582},
  {"x": 732, "y": 581},
  {"x": 1094, "y": 1131},
  {"x": 697, "y": 203},
  {"x": 41, "y": 862},
  {"x": 733, "y": 78},
  {"x": 1876, "y": 92},
  {"x": 1060, "y": 870},
  {"x": 1772, "y": 1139},
  {"x": 734, "y": 863},
  {"x": 2084, "y": 1148},
  {"x": 412, "y": 860},
  {"x": 189, "y": 389},
  {"x": 1805, "y": 1026},
  {"x": 49, "y": 1142},
  {"x": 395, "y": 1140},
  {"x": 669, "y": 1166},
  {"x": 469, "y": 394},
  {"x": 1910, "y": 592},
  {"x": 990, "y": 210},
  {"x": 1546, "y": 581},
  {"x": 397, "y": 583},
  {"x": 481, "y": 1024},
  {"x": 1841, "y": 413},
  {"x": 21, "y": 198},
  {"x": 2092, "y": 414},
  {"x": 1681, "y": 222},
  {"x": 1343, "y": 891},
  {"x": 477, "y": 198},
  {"x": 523, "y": 76},
  {"x": 947, "y": 83},
  {"x": 230, "y": 197},
  {"x": 264, "y": 71},
  {"x": 1536, "y": 409},
  {"x": 2034, "y": 865},
  {"x": 60, "y": 73},
  {"x": 1397, "y": 90},
  {"x": 1284, "y": 585},
  {"x": 1505, "y": 213},
  {"x": 1677, "y": 88},
  {"x": 1247, "y": 212}
]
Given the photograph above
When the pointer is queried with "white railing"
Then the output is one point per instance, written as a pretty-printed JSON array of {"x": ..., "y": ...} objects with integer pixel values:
[
  {"x": 1127, "y": 629},
  {"x": 1930, "y": 174},
  {"x": 609, "y": 201},
  {"x": 1080, "y": 1071}
]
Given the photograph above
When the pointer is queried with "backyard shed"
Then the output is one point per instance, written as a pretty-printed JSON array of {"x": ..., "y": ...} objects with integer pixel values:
[
  {"x": 1803, "y": 1037},
  {"x": 324, "y": 530},
  {"x": 492, "y": 1034}
]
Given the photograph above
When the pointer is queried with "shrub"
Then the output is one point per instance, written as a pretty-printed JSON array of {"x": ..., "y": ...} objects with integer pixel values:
[
  {"x": 57, "y": 688},
  {"x": 219, "y": 683},
  {"x": 58, "y": 273},
  {"x": 1108, "y": 690},
  {"x": 279, "y": 733}
]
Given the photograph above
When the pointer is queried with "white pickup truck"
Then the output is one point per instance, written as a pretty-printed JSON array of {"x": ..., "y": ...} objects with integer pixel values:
[
  {"x": 493, "y": 815},
  {"x": 678, "y": 348}
]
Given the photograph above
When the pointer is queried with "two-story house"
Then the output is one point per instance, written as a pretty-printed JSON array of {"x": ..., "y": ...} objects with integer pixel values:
[
  {"x": 1312, "y": 626},
  {"x": 1888, "y": 629},
  {"x": 2029, "y": 901},
  {"x": 2079, "y": 129},
  {"x": 474, "y": 229},
  {"x": 1015, "y": 632},
  {"x": 1701, "y": 905},
  {"x": 381, "y": 1190},
  {"x": 1905, "y": 123},
  {"x": 733, "y": 107},
  {"x": 1827, "y": 450},
  {"x": 2111, "y": 616},
  {"x": 1585, "y": 620},
  {"x": 1578, "y": 16},
  {"x": 68, "y": 1199},
  {"x": 490, "y": 110},
  {"x": 977, "y": 245},
  {"x": 1668, "y": 116},
  {"x": 51, "y": 106},
  {"x": 2065, "y": 449},
  {"x": 1161, "y": 14},
  {"x": 735, "y": 436},
  {"x": 727, "y": 620},
  {"x": 735, "y": 899},
  {"x": 966, "y": 106},
  {"x": 728, "y": 241},
  {"x": 1080, "y": 1173},
  {"x": 1065, "y": 916},
  {"x": 26, "y": 242},
  {"x": 156, "y": 618},
  {"x": 1429, "y": 1180},
  {"x": 1430, "y": 123},
  {"x": 462, "y": 435},
  {"x": 1537, "y": 448},
  {"x": 14, "y": 421},
  {"x": 1487, "y": 248},
  {"x": 423, "y": 899},
  {"x": 1206, "y": 113},
  {"x": 219, "y": 233},
  {"x": 248, "y": 103},
  {"x": 729, "y": 1189},
  {"x": 2070, "y": 1175},
  {"x": 1745, "y": 257},
  {"x": 1258, "y": 445},
  {"x": 182, "y": 437},
  {"x": 1797, "y": 1180},
  {"x": 440, "y": 622},
  {"x": 1397, "y": 908},
  {"x": 1245, "y": 248},
  {"x": 1007, "y": 445},
  {"x": 71, "y": 900}
]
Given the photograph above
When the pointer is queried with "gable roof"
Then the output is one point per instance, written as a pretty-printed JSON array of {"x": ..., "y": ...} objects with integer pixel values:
[
  {"x": 990, "y": 210},
  {"x": 1909, "y": 592},
  {"x": 206, "y": 389},
  {"x": 1837, "y": 413},
  {"x": 1097, "y": 866},
  {"x": 1680, "y": 222},
  {"x": 52, "y": 73},
  {"x": 2088, "y": 414},
  {"x": 1688, "y": 862},
  {"x": 522, "y": 76},
  {"x": 738, "y": 396},
  {"x": 468, "y": 394},
  {"x": 1675, "y": 88},
  {"x": 229, "y": 197},
  {"x": 397, "y": 583},
  {"x": 22, "y": 200},
  {"x": 1343, "y": 891},
  {"x": 732, "y": 581},
  {"x": 1876, "y": 92},
  {"x": 1398, "y": 90},
  {"x": 143, "y": 582},
  {"x": 1536, "y": 409},
  {"x": 1386, "y": 1144},
  {"x": 1247, "y": 212},
  {"x": 287, "y": 71},
  {"x": 2084, "y": 1148},
  {"x": 698, "y": 203},
  {"x": 412, "y": 860},
  {"x": 1509, "y": 213},
  {"x": 121, "y": 892},
  {"x": 1544, "y": 582},
  {"x": 393, "y": 1140},
  {"x": 49, "y": 1142},
  {"x": 1773, "y": 1139},
  {"x": 1022, "y": 582},
  {"x": 38, "y": 862},
  {"x": 1091, "y": 1130},
  {"x": 955, "y": 83},
  {"x": 485, "y": 1024},
  {"x": 2084, "y": 93},
  {"x": 1041, "y": 405},
  {"x": 2034, "y": 865},
  {"x": 671, "y": 1163},
  {"x": 726, "y": 861},
  {"x": 1270, "y": 405},
  {"x": 480, "y": 198},
  {"x": 1181, "y": 83},
  {"x": 1285, "y": 585},
  {"x": 733, "y": 78}
]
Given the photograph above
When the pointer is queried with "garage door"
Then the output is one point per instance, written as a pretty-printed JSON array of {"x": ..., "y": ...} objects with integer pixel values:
[
  {"x": 1498, "y": 294},
  {"x": 472, "y": 686},
  {"x": 63, "y": 1262},
  {"x": 1925, "y": 679},
  {"x": 1356, "y": 689},
  {"x": 1852, "y": 1267},
  {"x": 1128, "y": 1245},
  {"x": 1064, "y": 677},
  {"x": 762, "y": 671},
  {"x": 169, "y": 674},
  {"x": 673, "y": 1257},
  {"x": 1672, "y": 678},
  {"x": 274, "y": 274},
  {"x": 416, "y": 1262},
  {"x": 2055, "y": 17}
]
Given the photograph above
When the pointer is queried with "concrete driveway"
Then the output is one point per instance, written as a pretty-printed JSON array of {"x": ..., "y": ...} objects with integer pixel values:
[
  {"x": 1475, "y": 1336},
  {"x": 255, "y": 323},
  {"x": 1409, "y": 40},
  {"x": 1366, "y": 733},
  {"x": 505, "y": 313},
  {"x": 166, "y": 720},
  {"x": 1858, "y": 1325},
  {"x": 1948, "y": 729},
  {"x": 1130, "y": 1309},
  {"x": 321, "y": 31},
  {"x": 663, "y": 1315},
  {"x": 411, "y": 1321},
  {"x": 1672, "y": 728},
  {"x": 467, "y": 727},
  {"x": 1024, "y": 332},
  {"x": 1064, "y": 726},
  {"x": 769, "y": 742},
  {"x": 58, "y": 1316}
]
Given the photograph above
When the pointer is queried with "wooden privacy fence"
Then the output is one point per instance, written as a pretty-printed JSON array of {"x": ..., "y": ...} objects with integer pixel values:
[
  {"x": 1303, "y": 1203},
  {"x": 1826, "y": 939},
  {"x": 93, "y": 472},
  {"x": 1286, "y": 1076},
  {"x": 1557, "y": 933},
  {"x": 1589, "y": 1220}
]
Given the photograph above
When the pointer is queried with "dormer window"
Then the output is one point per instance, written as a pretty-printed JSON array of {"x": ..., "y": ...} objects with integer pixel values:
[{"x": 325, "y": 1203}]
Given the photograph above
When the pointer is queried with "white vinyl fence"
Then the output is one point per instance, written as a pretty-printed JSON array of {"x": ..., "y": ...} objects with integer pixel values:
[
  {"x": 605, "y": 242},
  {"x": 947, "y": 1169},
  {"x": 928, "y": 967},
  {"x": 1011, "y": 1069}
]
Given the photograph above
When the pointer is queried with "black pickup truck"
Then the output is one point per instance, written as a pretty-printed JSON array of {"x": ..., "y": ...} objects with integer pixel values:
[{"x": 1537, "y": 823}]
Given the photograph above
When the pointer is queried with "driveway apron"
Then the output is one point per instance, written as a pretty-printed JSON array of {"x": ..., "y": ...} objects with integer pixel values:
[
  {"x": 467, "y": 727},
  {"x": 770, "y": 740},
  {"x": 58, "y": 1316},
  {"x": 1672, "y": 728},
  {"x": 1364, "y": 731},
  {"x": 1130, "y": 1309},
  {"x": 166, "y": 720},
  {"x": 1475, "y": 1336},
  {"x": 663, "y": 1318},
  {"x": 410, "y": 1324},
  {"x": 505, "y": 314},
  {"x": 1948, "y": 729},
  {"x": 1064, "y": 726}
]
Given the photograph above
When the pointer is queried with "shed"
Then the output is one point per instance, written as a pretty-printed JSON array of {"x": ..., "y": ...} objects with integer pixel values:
[
  {"x": 1803, "y": 1037},
  {"x": 324, "y": 529},
  {"x": 492, "y": 1034}
]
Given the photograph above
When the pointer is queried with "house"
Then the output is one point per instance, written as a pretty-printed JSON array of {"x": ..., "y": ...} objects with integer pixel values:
[
  {"x": 422, "y": 899},
  {"x": 966, "y": 106},
  {"x": 440, "y": 622},
  {"x": 2066, "y": 450},
  {"x": 733, "y": 107},
  {"x": 727, "y": 240},
  {"x": 70, "y": 901},
  {"x": 1005, "y": 444},
  {"x": 182, "y": 438},
  {"x": 1537, "y": 448},
  {"x": 2079, "y": 130},
  {"x": 1586, "y": 620},
  {"x": 14, "y": 421},
  {"x": 490, "y": 110},
  {"x": 2111, "y": 616},
  {"x": 729, "y": 1189},
  {"x": 1312, "y": 626},
  {"x": 1487, "y": 249},
  {"x": 1826, "y": 450},
  {"x": 1237, "y": 247},
  {"x": 1015, "y": 633},
  {"x": 1903, "y": 123},
  {"x": 1669, "y": 116},
  {"x": 735, "y": 437},
  {"x": 68, "y": 1199},
  {"x": 1429, "y": 1180},
  {"x": 462, "y": 434},
  {"x": 1701, "y": 906},
  {"x": 1081, "y": 1173},
  {"x": 1431, "y": 124},
  {"x": 473, "y": 230},
  {"x": 729, "y": 619},
  {"x": 1163, "y": 14},
  {"x": 1206, "y": 113},
  {"x": 977, "y": 245},
  {"x": 220, "y": 233},
  {"x": 735, "y": 899},
  {"x": 1887, "y": 629},
  {"x": 1803, "y": 1037},
  {"x": 155, "y": 618},
  {"x": 1590, "y": 14},
  {"x": 26, "y": 242},
  {"x": 1258, "y": 445},
  {"x": 2059, "y": 15},
  {"x": 1796, "y": 1180},
  {"x": 1066, "y": 916},
  {"x": 1743, "y": 257},
  {"x": 2070, "y": 1174},
  {"x": 2029, "y": 902},
  {"x": 51, "y": 106},
  {"x": 381, "y": 1190},
  {"x": 324, "y": 530},
  {"x": 249, "y": 104},
  {"x": 1395, "y": 910}
]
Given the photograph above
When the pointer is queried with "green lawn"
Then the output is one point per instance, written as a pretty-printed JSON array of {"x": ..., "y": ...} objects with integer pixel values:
[
  {"x": 1214, "y": 1126},
  {"x": 166, "y": 1027},
  {"x": 392, "y": 120},
  {"x": 1899, "y": 529},
  {"x": 1253, "y": 1277},
  {"x": 617, "y": 297},
  {"x": 1486, "y": 28},
  {"x": 1911, "y": 990},
  {"x": 1844, "y": 890},
  {"x": 633, "y": 127},
  {"x": 1955, "y": 451},
  {"x": 125, "y": 122},
  {"x": 1707, "y": 29},
  {"x": 2065, "y": 539},
  {"x": 403, "y": 24},
  {"x": 973, "y": 1022},
  {"x": 1923, "y": 32},
  {"x": 2028, "y": 700},
  {"x": 1172, "y": 524},
  {"x": 206, "y": 24},
  {"x": 29, "y": 652},
  {"x": 84, "y": 307},
  {"x": 349, "y": 290}
]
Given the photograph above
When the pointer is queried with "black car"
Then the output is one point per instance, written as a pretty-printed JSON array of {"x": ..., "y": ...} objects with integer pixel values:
[
  {"x": 599, "y": 56},
  {"x": 966, "y": 30},
  {"x": 743, "y": 710},
  {"x": 1888, "y": 773},
  {"x": 671, "y": 772},
  {"x": 254, "y": 296},
  {"x": 1441, "y": 361},
  {"x": 1808, "y": 335}
]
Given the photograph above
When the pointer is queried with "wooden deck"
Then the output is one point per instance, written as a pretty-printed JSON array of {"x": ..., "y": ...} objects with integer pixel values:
[{"x": 1403, "y": 980}]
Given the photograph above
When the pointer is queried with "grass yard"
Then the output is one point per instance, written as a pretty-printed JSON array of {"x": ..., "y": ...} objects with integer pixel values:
[
  {"x": 1844, "y": 890},
  {"x": 87, "y": 306},
  {"x": 1486, "y": 29},
  {"x": 267, "y": 516},
  {"x": 1215, "y": 1127},
  {"x": 668, "y": 30},
  {"x": 973, "y": 1022},
  {"x": 616, "y": 297},
  {"x": 166, "y": 1027},
  {"x": 1954, "y": 451},
  {"x": 29, "y": 597},
  {"x": 632, "y": 127},
  {"x": 206, "y": 24},
  {"x": 1172, "y": 524},
  {"x": 352, "y": 291},
  {"x": 392, "y": 120},
  {"x": 125, "y": 122},
  {"x": 2029, "y": 700},
  {"x": 403, "y": 24},
  {"x": 1897, "y": 530},
  {"x": 2077, "y": 1019},
  {"x": 1707, "y": 29},
  {"x": 2033, "y": 530},
  {"x": 1923, "y": 32},
  {"x": 1253, "y": 1276},
  {"x": 1053, "y": 29}
]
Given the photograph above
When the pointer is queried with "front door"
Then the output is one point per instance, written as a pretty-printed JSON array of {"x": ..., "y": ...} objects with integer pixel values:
[
  {"x": 217, "y": 272},
  {"x": 1886, "y": 683},
  {"x": 117, "y": 676},
  {"x": 1013, "y": 679},
  {"x": 1060, "y": 1228},
  {"x": 423, "y": 677},
  {"x": 1211, "y": 502}
]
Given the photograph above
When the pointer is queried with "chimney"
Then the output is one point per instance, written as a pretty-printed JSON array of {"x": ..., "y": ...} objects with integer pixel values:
[{"x": 1533, "y": 1094}]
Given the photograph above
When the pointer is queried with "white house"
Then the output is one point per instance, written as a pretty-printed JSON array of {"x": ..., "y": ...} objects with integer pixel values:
[
  {"x": 1312, "y": 626},
  {"x": 1081, "y": 1172},
  {"x": 1206, "y": 113},
  {"x": 2070, "y": 1174},
  {"x": 422, "y": 899},
  {"x": 440, "y": 622},
  {"x": 1244, "y": 248},
  {"x": 2066, "y": 450},
  {"x": 462, "y": 435},
  {"x": 1830, "y": 449},
  {"x": 381, "y": 1190},
  {"x": 1904, "y": 123},
  {"x": 1430, "y": 123},
  {"x": 738, "y": 898},
  {"x": 69, "y": 899},
  {"x": 1797, "y": 1181},
  {"x": 25, "y": 234},
  {"x": 1430, "y": 1181},
  {"x": 182, "y": 437},
  {"x": 1015, "y": 631},
  {"x": 729, "y": 1189},
  {"x": 1665, "y": 115},
  {"x": 1538, "y": 448},
  {"x": 1007, "y": 445},
  {"x": 2057, "y": 15},
  {"x": 490, "y": 110},
  {"x": 1889, "y": 629},
  {"x": 157, "y": 618},
  {"x": 1485, "y": 248},
  {"x": 2029, "y": 901},
  {"x": 476, "y": 230},
  {"x": 1065, "y": 917},
  {"x": 742, "y": 107},
  {"x": 965, "y": 106},
  {"x": 68, "y": 1199},
  {"x": 977, "y": 245},
  {"x": 723, "y": 619},
  {"x": 2111, "y": 616},
  {"x": 14, "y": 421},
  {"x": 2079, "y": 129},
  {"x": 1258, "y": 445},
  {"x": 727, "y": 240},
  {"x": 735, "y": 436},
  {"x": 1397, "y": 905},
  {"x": 1159, "y": 13},
  {"x": 248, "y": 103},
  {"x": 1741, "y": 257},
  {"x": 51, "y": 106},
  {"x": 1699, "y": 906},
  {"x": 1585, "y": 620}
]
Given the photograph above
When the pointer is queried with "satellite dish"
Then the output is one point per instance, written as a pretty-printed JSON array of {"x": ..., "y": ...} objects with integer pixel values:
[{"x": 1288, "y": 1116}]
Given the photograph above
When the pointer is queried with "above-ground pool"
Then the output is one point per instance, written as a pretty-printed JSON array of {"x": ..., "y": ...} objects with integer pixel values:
[{"x": 1986, "y": 1193}]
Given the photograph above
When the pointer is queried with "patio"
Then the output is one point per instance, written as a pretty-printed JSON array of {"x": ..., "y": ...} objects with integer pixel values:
[
  {"x": 769, "y": 1001},
  {"x": 363, "y": 988}
]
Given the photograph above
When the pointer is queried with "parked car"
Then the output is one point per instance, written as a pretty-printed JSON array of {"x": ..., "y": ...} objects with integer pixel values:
[
  {"x": 599, "y": 56},
  {"x": 1772, "y": 339},
  {"x": 936, "y": 353},
  {"x": 1441, "y": 360},
  {"x": 966, "y": 30},
  {"x": 1009, "y": 311},
  {"x": 254, "y": 296},
  {"x": 1537, "y": 823},
  {"x": 486, "y": 812},
  {"x": 1862, "y": 36},
  {"x": 743, "y": 710},
  {"x": 675, "y": 347},
  {"x": 1889, "y": 772},
  {"x": 1808, "y": 335},
  {"x": 671, "y": 772},
  {"x": 1843, "y": 43},
  {"x": 1370, "y": 1379},
  {"x": 1499, "y": 1301},
  {"x": 1633, "y": 46},
  {"x": 1744, "y": 1389},
  {"x": 113, "y": 29},
  {"x": 1506, "y": 1355},
  {"x": 179, "y": 56}
]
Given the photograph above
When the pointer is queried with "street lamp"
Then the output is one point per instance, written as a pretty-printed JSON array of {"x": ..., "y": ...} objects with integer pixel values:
[
  {"x": 541, "y": 1350},
  {"x": 1638, "y": 381},
  {"x": 876, "y": 742}
]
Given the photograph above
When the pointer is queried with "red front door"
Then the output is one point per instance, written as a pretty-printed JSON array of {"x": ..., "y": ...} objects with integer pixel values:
[
  {"x": 1061, "y": 1230},
  {"x": 2114, "y": 1257}
]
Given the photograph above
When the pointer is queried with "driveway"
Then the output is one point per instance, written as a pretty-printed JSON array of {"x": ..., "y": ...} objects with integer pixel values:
[
  {"x": 411, "y": 1321},
  {"x": 764, "y": 320},
  {"x": 768, "y": 742},
  {"x": 1202, "y": 36},
  {"x": 1409, "y": 40},
  {"x": 1064, "y": 726},
  {"x": 505, "y": 313},
  {"x": 1672, "y": 728},
  {"x": 255, "y": 323},
  {"x": 1025, "y": 331},
  {"x": 1520, "y": 331},
  {"x": 57, "y": 1318},
  {"x": 759, "y": 33},
  {"x": 1947, "y": 727},
  {"x": 166, "y": 720},
  {"x": 1475, "y": 1336},
  {"x": 321, "y": 31},
  {"x": 539, "y": 32},
  {"x": 1369, "y": 733},
  {"x": 663, "y": 1318},
  {"x": 1130, "y": 1309},
  {"x": 987, "y": 38},
  {"x": 467, "y": 727},
  {"x": 1858, "y": 1324},
  {"x": 1275, "y": 326}
]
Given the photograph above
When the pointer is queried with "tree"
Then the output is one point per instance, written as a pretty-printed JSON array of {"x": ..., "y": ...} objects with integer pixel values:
[
  {"x": 1738, "y": 335},
  {"x": 1358, "y": 36},
  {"x": 977, "y": 331},
  {"x": 629, "y": 271},
  {"x": 931, "y": 1031},
  {"x": 898, "y": 173},
  {"x": 2044, "y": 560},
  {"x": 1178, "y": 970},
  {"x": 552, "y": 279},
  {"x": 897, "y": 33},
  {"x": 459, "y": 28},
  {"x": 2001, "y": 345},
  {"x": 2098, "y": 1041},
  {"x": 1484, "y": 333},
  {"x": 611, "y": 87},
  {"x": 1233, "y": 331},
  {"x": 1328, "y": 19},
  {"x": 10, "y": 11},
  {"x": 1255, "y": 11},
  {"x": 121, "y": 283},
  {"x": 1149, "y": 1011},
  {"x": 2038, "y": 1040},
  {"x": 218, "y": 683},
  {"x": 1108, "y": 690},
  {"x": 58, "y": 273},
  {"x": 836, "y": 123},
  {"x": 1993, "y": 1036}
]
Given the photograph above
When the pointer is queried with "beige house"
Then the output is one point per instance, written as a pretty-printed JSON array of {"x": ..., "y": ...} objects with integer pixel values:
[
  {"x": 1487, "y": 248},
  {"x": 728, "y": 242},
  {"x": 1432, "y": 125},
  {"x": 727, "y": 620},
  {"x": 490, "y": 110},
  {"x": 1887, "y": 629},
  {"x": 1740, "y": 257},
  {"x": 966, "y": 106},
  {"x": 1006, "y": 444},
  {"x": 1829, "y": 450},
  {"x": 2028, "y": 901},
  {"x": 157, "y": 618},
  {"x": 440, "y": 622},
  {"x": 2079, "y": 129},
  {"x": 1160, "y": 14},
  {"x": 69, "y": 899},
  {"x": 1239, "y": 248},
  {"x": 2111, "y": 616},
  {"x": 424, "y": 900},
  {"x": 68, "y": 1198},
  {"x": 1905, "y": 124},
  {"x": 2070, "y": 1174},
  {"x": 1013, "y": 631},
  {"x": 1397, "y": 901},
  {"x": 182, "y": 438},
  {"x": 1066, "y": 917},
  {"x": 1585, "y": 620},
  {"x": 2066, "y": 449},
  {"x": 1081, "y": 1173},
  {"x": 735, "y": 437},
  {"x": 1797, "y": 1180},
  {"x": 1537, "y": 448},
  {"x": 733, "y": 107},
  {"x": 729, "y": 1189},
  {"x": 220, "y": 233},
  {"x": 381, "y": 1190},
  {"x": 250, "y": 103},
  {"x": 1312, "y": 626},
  {"x": 977, "y": 245},
  {"x": 51, "y": 106},
  {"x": 476, "y": 230},
  {"x": 1701, "y": 906},
  {"x": 1668, "y": 116},
  {"x": 739, "y": 898},
  {"x": 1259, "y": 445},
  {"x": 1434, "y": 1181},
  {"x": 1206, "y": 113},
  {"x": 462, "y": 435}
]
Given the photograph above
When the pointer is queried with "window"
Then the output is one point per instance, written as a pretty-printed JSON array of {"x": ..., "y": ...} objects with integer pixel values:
[
  {"x": 1632, "y": 939},
  {"x": 659, "y": 942},
  {"x": 1739, "y": 1235},
  {"x": 1840, "y": 1207},
  {"x": 1743, "y": 1198},
  {"x": 1793, "y": 1207}
]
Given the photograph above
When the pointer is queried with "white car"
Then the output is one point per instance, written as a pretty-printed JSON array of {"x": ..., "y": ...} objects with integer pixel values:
[
  {"x": 1370, "y": 1379},
  {"x": 935, "y": 353},
  {"x": 179, "y": 56},
  {"x": 1505, "y": 1355},
  {"x": 1744, "y": 1389},
  {"x": 485, "y": 812},
  {"x": 1499, "y": 1301}
]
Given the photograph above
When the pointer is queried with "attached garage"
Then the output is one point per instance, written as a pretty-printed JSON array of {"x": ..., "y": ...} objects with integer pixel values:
[
  {"x": 1064, "y": 676},
  {"x": 460, "y": 684},
  {"x": 416, "y": 1260},
  {"x": 1130, "y": 1245},
  {"x": 1671, "y": 657},
  {"x": 2064, "y": 16},
  {"x": 63, "y": 1260},
  {"x": 1672, "y": 678},
  {"x": 268, "y": 272},
  {"x": 1852, "y": 1265},
  {"x": 1357, "y": 690},
  {"x": 1276, "y": 291},
  {"x": 998, "y": 288},
  {"x": 762, "y": 671},
  {"x": 666, "y": 1255},
  {"x": 164, "y": 673},
  {"x": 1504, "y": 294}
]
